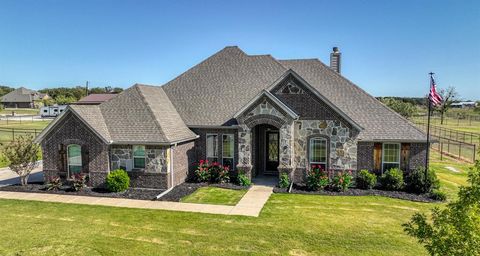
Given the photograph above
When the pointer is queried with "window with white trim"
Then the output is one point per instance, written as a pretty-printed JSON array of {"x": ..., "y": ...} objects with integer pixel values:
[
  {"x": 74, "y": 159},
  {"x": 390, "y": 156},
  {"x": 212, "y": 147},
  {"x": 228, "y": 150},
  {"x": 318, "y": 152},
  {"x": 138, "y": 157}
]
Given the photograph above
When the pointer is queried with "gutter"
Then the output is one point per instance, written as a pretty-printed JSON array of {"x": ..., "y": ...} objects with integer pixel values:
[{"x": 171, "y": 176}]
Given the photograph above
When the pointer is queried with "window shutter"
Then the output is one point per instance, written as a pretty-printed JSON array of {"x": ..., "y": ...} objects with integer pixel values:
[
  {"x": 62, "y": 159},
  {"x": 377, "y": 156},
  {"x": 405, "y": 156},
  {"x": 85, "y": 156}
]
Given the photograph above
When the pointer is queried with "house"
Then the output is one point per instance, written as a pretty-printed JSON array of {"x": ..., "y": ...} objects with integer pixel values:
[
  {"x": 22, "y": 98},
  {"x": 254, "y": 113},
  {"x": 95, "y": 98},
  {"x": 464, "y": 104}
]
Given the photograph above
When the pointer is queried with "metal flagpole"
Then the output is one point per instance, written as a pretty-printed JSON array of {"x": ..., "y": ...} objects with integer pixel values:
[{"x": 428, "y": 125}]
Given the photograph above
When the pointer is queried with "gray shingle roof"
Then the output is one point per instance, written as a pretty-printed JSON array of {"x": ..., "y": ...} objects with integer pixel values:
[
  {"x": 21, "y": 94},
  {"x": 211, "y": 92}
]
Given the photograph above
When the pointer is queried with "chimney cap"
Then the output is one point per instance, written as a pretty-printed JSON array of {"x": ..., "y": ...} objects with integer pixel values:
[{"x": 335, "y": 49}]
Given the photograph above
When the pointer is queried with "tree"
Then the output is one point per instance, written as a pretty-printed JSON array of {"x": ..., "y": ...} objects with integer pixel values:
[
  {"x": 62, "y": 99},
  {"x": 22, "y": 154},
  {"x": 448, "y": 96},
  {"x": 454, "y": 230},
  {"x": 406, "y": 109}
]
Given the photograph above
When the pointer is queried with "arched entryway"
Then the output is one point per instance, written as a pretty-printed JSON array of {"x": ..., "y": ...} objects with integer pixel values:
[{"x": 266, "y": 150}]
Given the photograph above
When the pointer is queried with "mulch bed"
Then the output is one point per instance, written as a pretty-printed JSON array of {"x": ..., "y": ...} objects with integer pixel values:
[
  {"x": 188, "y": 188},
  {"x": 297, "y": 189},
  {"x": 131, "y": 193}
]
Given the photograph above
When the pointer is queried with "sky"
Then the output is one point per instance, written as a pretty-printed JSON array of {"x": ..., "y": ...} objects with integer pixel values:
[{"x": 388, "y": 47}]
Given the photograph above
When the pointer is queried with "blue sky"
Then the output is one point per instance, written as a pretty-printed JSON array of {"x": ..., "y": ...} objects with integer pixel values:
[{"x": 388, "y": 47}]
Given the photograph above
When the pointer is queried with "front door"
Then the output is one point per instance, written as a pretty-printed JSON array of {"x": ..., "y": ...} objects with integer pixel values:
[{"x": 272, "y": 146}]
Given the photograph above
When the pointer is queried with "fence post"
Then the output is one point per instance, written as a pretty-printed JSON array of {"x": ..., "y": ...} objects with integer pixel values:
[
  {"x": 441, "y": 151},
  {"x": 474, "y": 151},
  {"x": 460, "y": 150},
  {"x": 13, "y": 134}
]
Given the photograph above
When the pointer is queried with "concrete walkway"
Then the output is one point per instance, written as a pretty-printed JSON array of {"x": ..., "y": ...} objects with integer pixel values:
[
  {"x": 250, "y": 205},
  {"x": 7, "y": 177}
]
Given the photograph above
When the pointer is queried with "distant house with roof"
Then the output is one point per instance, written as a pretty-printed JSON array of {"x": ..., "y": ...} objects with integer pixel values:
[
  {"x": 22, "y": 98},
  {"x": 95, "y": 98},
  {"x": 254, "y": 113}
]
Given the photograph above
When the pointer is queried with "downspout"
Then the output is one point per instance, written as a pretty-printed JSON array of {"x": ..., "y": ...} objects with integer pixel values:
[{"x": 171, "y": 172}]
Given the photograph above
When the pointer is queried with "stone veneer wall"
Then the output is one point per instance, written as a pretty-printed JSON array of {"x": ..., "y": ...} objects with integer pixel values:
[
  {"x": 71, "y": 130},
  {"x": 156, "y": 166}
]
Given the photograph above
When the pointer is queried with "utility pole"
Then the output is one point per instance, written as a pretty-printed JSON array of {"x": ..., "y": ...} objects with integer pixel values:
[{"x": 86, "y": 88}]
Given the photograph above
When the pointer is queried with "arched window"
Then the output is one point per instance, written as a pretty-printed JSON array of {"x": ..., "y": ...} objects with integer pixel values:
[
  {"x": 74, "y": 159},
  {"x": 318, "y": 152}
]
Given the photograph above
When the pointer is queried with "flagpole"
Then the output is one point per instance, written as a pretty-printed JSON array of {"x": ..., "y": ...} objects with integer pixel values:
[{"x": 428, "y": 127}]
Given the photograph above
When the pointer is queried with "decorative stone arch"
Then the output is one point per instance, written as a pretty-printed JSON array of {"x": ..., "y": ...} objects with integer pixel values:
[{"x": 264, "y": 119}]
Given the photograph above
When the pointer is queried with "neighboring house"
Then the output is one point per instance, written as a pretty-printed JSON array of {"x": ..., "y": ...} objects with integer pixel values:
[
  {"x": 22, "y": 98},
  {"x": 254, "y": 113},
  {"x": 95, "y": 99},
  {"x": 464, "y": 104}
]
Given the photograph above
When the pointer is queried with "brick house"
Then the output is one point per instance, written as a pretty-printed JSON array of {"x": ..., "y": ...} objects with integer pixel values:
[
  {"x": 22, "y": 98},
  {"x": 254, "y": 113}
]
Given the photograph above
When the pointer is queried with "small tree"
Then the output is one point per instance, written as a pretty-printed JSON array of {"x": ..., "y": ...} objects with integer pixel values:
[
  {"x": 454, "y": 230},
  {"x": 22, "y": 154},
  {"x": 448, "y": 96},
  {"x": 406, "y": 109}
]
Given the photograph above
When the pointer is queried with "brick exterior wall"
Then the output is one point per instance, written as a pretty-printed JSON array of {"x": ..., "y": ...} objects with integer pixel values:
[
  {"x": 418, "y": 154},
  {"x": 72, "y": 130},
  {"x": 365, "y": 155},
  {"x": 183, "y": 161}
]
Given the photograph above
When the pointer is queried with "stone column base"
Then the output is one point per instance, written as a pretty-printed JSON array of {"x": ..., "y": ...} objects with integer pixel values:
[
  {"x": 286, "y": 169},
  {"x": 245, "y": 169}
]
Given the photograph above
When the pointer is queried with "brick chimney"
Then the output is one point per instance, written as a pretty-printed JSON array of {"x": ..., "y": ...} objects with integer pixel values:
[{"x": 335, "y": 59}]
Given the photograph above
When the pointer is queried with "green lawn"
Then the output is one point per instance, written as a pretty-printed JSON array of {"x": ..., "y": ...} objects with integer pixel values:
[
  {"x": 450, "y": 181},
  {"x": 213, "y": 195},
  {"x": 23, "y": 111},
  {"x": 26, "y": 124}
]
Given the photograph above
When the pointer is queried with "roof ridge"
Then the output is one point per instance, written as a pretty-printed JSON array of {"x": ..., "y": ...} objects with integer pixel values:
[{"x": 149, "y": 108}]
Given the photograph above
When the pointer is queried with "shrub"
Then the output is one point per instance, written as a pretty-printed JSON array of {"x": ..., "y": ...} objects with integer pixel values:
[
  {"x": 341, "y": 181},
  {"x": 243, "y": 180},
  {"x": 202, "y": 173},
  {"x": 79, "y": 181},
  {"x": 317, "y": 178},
  {"x": 416, "y": 182},
  {"x": 438, "y": 195},
  {"x": 54, "y": 183},
  {"x": 118, "y": 181},
  {"x": 219, "y": 173},
  {"x": 392, "y": 179},
  {"x": 284, "y": 181},
  {"x": 365, "y": 179}
]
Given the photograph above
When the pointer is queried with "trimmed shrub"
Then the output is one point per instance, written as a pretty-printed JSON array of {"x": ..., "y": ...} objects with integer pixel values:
[
  {"x": 284, "y": 181},
  {"x": 392, "y": 179},
  {"x": 341, "y": 181},
  {"x": 438, "y": 195},
  {"x": 317, "y": 178},
  {"x": 79, "y": 181},
  {"x": 365, "y": 179},
  {"x": 416, "y": 182},
  {"x": 54, "y": 183},
  {"x": 117, "y": 181},
  {"x": 218, "y": 173},
  {"x": 202, "y": 173},
  {"x": 243, "y": 180}
]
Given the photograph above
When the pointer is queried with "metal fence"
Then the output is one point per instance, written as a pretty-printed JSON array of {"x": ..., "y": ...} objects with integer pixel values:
[
  {"x": 451, "y": 134},
  {"x": 452, "y": 119},
  {"x": 6, "y": 120},
  {"x": 10, "y": 134}
]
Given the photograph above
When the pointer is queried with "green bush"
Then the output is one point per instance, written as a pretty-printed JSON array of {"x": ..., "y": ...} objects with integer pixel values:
[
  {"x": 437, "y": 195},
  {"x": 243, "y": 180},
  {"x": 284, "y": 181},
  {"x": 415, "y": 181},
  {"x": 219, "y": 173},
  {"x": 118, "y": 181},
  {"x": 202, "y": 173},
  {"x": 365, "y": 179},
  {"x": 341, "y": 181},
  {"x": 317, "y": 178},
  {"x": 392, "y": 179}
]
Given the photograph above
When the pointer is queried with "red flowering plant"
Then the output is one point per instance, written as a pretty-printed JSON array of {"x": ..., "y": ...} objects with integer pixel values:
[
  {"x": 202, "y": 173},
  {"x": 341, "y": 181},
  {"x": 317, "y": 178},
  {"x": 219, "y": 173}
]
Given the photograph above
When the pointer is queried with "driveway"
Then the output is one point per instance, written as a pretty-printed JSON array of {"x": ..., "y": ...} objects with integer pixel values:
[{"x": 7, "y": 177}]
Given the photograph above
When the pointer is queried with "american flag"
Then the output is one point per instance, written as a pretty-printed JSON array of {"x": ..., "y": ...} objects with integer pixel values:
[{"x": 434, "y": 97}]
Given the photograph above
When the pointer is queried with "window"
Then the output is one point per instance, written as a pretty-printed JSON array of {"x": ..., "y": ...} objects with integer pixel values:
[
  {"x": 318, "y": 152},
  {"x": 390, "y": 156},
  {"x": 45, "y": 111},
  {"x": 138, "y": 157},
  {"x": 212, "y": 147},
  {"x": 228, "y": 148},
  {"x": 74, "y": 159}
]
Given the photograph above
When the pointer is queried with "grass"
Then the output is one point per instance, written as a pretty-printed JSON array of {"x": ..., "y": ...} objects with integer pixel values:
[
  {"x": 23, "y": 111},
  {"x": 40, "y": 125},
  {"x": 213, "y": 195},
  {"x": 449, "y": 180},
  {"x": 288, "y": 225}
]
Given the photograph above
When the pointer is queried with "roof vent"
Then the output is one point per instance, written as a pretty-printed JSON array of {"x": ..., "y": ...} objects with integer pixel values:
[{"x": 335, "y": 59}]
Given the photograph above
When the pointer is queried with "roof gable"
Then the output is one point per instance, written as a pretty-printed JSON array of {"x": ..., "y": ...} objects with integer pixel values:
[{"x": 279, "y": 107}]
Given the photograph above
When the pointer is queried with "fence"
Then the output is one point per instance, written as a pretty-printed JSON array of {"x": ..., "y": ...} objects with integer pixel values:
[
  {"x": 452, "y": 119},
  {"x": 458, "y": 144},
  {"x": 9, "y": 134},
  {"x": 6, "y": 120}
]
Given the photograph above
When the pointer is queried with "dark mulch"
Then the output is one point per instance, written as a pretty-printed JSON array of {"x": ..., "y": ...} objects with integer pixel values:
[
  {"x": 298, "y": 189},
  {"x": 188, "y": 188},
  {"x": 131, "y": 193}
]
